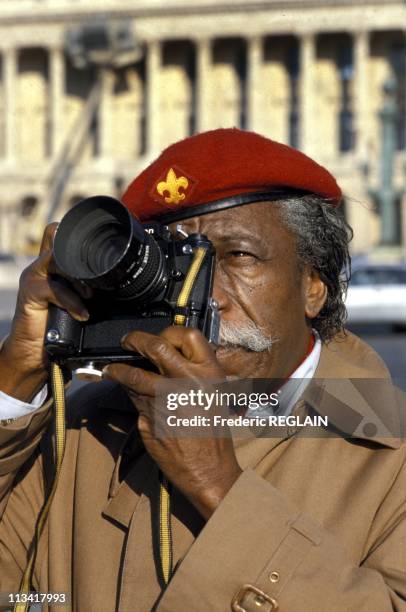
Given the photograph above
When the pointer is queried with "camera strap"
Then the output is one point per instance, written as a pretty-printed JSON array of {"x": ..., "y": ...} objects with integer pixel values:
[
  {"x": 165, "y": 528},
  {"x": 187, "y": 288},
  {"x": 58, "y": 392}
]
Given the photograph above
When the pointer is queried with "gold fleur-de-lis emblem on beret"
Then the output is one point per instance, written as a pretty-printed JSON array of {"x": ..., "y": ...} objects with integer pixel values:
[{"x": 172, "y": 185}]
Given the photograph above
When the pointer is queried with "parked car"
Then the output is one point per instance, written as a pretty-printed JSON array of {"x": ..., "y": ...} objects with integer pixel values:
[{"x": 377, "y": 294}]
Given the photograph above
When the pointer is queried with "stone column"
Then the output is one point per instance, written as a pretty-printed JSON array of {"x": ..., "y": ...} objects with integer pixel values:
[
  {"x": 106, "y": 119},
  {"x": 56, "y": 99},
  {"x": 153, "y": 65},
  {"x": 308, "y": 121},
  {"x": 10, "y": 66},
  {"x": 254, "y": 65},
  {"x": 203, "y": 90},
  {"x": 361, "y": 93}
]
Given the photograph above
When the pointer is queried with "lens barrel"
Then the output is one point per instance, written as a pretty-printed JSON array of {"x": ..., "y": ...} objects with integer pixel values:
[{"x": 100, "y": 243}]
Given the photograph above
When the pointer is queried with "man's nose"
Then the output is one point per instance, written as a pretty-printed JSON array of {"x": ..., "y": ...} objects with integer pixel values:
[{"x": 220, "y": 293}]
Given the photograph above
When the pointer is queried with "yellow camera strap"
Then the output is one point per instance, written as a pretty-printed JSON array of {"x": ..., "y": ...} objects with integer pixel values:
[
  {"x": 58, "y": 390},
  {"x": 184, "y": 295},
  {"x": 165, "y": 529}
]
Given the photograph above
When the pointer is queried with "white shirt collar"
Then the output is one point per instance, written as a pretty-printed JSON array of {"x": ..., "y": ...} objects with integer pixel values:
[{"x": 291, "y": 391}]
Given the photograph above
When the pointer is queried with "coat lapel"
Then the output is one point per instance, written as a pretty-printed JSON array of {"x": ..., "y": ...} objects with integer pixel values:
[{"x": 353, "y": 388}]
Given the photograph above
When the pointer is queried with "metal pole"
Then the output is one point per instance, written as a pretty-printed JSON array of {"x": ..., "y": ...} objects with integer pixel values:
[{"x": 387, "y": 194}]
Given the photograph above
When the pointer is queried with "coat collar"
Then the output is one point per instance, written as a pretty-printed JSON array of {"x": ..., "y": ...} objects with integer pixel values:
[{"x": 353, "y": 387}]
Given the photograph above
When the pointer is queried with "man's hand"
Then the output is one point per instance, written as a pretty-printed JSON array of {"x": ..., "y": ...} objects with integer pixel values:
[
  {"x": 203, "y": 468},
  {"x": 23, "y": 360}
]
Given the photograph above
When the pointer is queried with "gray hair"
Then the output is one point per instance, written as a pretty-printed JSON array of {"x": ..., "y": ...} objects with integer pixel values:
[{"x": 322, "y": 237}]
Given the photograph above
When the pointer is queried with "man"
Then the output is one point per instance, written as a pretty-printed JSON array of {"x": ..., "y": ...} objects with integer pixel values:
[{"x": 290, "y": 522}]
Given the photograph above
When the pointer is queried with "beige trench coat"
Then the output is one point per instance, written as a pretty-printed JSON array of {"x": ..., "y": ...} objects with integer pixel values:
[{"x": 312, "y": 524}]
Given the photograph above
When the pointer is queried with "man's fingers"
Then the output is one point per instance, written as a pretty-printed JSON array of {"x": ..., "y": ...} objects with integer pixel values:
[
  {"x": 190, "y": 342},
  {"x": 137, "y": 380},
  {"x": 37, "y": 292},
  {"x": 45, "y": 265},
  {"x": 68, "y": 300},
  {"x": 48, "y": 238},
  {"x": 84, "y": 291},
  {"x": 155, "y": 348},
  {"x": 42, "y": 266},
  {"x": 171, "y": 347}
]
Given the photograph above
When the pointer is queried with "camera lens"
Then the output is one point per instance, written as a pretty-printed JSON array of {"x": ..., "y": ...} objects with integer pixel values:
[
  {"x": 103, "y": 249},
  {"x": 101, "y": 243}
]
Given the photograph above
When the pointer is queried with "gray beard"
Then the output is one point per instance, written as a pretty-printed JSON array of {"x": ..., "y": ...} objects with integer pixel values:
[{"x": 247, "y": 335}]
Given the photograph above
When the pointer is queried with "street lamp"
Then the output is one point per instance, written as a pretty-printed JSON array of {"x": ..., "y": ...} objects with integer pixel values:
[
  {"x": 386, "y": 195},
  {"x": 100, "y": 46}
]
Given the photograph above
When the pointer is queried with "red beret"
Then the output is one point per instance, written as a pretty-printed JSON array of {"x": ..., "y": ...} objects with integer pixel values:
[{"x": 220, "y": 169}]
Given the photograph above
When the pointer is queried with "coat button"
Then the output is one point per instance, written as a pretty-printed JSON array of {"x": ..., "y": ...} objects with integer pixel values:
[{"x": 274, "y": 576}]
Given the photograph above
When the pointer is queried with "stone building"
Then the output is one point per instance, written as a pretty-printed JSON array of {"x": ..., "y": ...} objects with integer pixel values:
[{"x": 309, "y": 73}]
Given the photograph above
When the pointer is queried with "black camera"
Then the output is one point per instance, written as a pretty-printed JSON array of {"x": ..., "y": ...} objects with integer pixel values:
[{"x": 142, "y": 277}]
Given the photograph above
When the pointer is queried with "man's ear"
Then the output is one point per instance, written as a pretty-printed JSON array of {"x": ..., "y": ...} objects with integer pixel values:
[{"x": 315, "y": 292}]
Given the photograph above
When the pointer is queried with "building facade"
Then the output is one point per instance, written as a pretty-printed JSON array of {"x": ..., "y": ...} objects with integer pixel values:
[{"x": 310, "y": 73}]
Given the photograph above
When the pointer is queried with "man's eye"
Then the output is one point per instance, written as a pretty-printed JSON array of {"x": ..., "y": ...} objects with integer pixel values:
[
  {"x": 241, "y": 254},
  {"x": 242, "y": 258}
]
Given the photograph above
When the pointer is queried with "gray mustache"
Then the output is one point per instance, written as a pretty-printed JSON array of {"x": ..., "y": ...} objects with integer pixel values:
[{"x": 247, "y": 335}]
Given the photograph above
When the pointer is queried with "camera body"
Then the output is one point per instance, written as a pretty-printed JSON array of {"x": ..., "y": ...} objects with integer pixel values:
[{"x": 144, "y": 297}]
